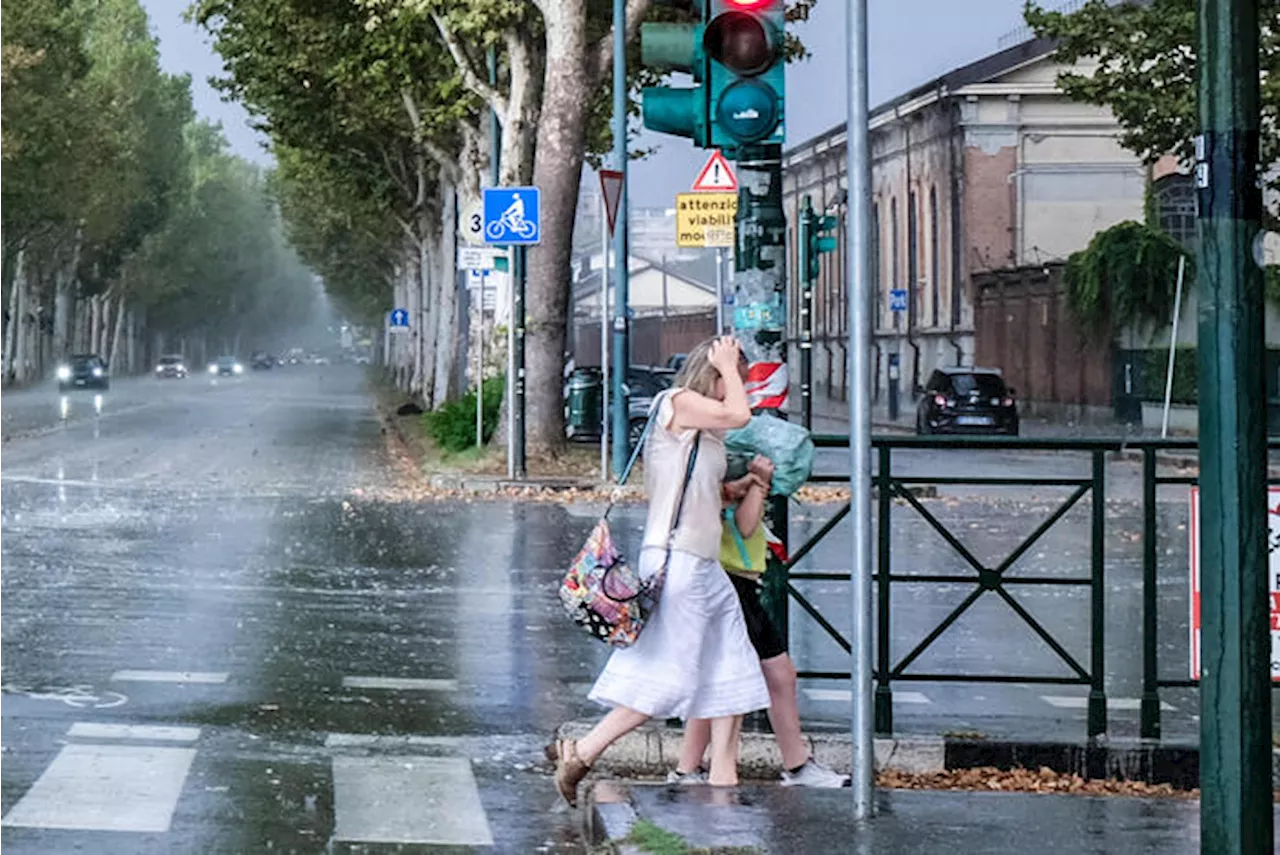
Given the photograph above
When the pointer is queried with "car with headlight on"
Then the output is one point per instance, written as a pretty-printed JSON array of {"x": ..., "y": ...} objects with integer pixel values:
[
  {"x": 83, "y": 371},
  {"x": 226, "y": 366},
  {"x": 171, "y": 367}
]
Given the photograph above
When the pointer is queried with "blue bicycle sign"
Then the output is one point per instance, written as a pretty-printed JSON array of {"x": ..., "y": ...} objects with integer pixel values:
[{"x": 511, "y": 215}]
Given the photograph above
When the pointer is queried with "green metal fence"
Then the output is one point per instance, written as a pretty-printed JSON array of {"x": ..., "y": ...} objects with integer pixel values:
[{"x": 993, "y": 579}]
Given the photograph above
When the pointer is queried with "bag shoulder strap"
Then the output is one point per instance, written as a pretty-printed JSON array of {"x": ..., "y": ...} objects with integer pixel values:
[
  {"x": 684, "y": 488},
  {"x": 639, "y": 449}
]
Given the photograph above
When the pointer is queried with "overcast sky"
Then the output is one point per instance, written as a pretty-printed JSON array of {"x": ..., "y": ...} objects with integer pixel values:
[{"x": 912, "y": 41}]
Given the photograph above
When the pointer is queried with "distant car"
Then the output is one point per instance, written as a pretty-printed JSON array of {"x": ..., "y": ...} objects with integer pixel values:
[
  {"x": 318, "y": 359},
  {"x": 171, "y": 367},
  {"x": 261, "y": 361},
  {"x": 363, "y": 359},
  {"x": 967, "y": 400},
  {"x": 676, "y": 362},
  {"x": 83, "y": 371},
  {"x": 226, "y": 366}
]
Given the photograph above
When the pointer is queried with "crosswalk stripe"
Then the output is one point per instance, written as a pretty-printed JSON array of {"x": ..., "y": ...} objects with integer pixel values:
[
  {"x": 133, "y": 676},
  {"x": 106, "y": 788},
  {"x": 410, "y": 684},
  {"x": 845, "y": 696},
  {"x": 428, "y": 800},
  {"x": 1079, "y": 702},
  {"x": 145, "y": 732}
]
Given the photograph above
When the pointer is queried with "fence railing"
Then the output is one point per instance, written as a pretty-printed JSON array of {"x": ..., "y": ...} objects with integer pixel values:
[{"x": 993, "y": 578}]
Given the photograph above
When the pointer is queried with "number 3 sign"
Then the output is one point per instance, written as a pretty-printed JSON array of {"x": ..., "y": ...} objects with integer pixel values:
[{"x": 471, "y": 224}]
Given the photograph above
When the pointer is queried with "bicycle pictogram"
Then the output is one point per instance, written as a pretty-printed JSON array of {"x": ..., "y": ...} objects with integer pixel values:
[{"x": 81, "y": 696}]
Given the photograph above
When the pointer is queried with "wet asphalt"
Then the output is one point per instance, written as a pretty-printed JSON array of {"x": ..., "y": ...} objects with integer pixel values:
[{"x": 205, "y": 555}]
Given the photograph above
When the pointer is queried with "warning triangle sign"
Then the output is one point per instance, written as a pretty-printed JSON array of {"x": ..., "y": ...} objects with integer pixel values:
[
  {"x": 716, "y": 176},
  {"x": 611, "y": 190}
]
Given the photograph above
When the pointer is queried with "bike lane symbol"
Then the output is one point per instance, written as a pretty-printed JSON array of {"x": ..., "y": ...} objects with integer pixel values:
[{"x": 512, "y": 215}]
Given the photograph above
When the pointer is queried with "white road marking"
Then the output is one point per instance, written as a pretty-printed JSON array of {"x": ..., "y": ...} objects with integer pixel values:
[
  {"x": 1080, "y": 702},
  {"x": 845, "y": 696},
  {"x": 106, "y": 788},
  {"x": 376, "y": 740},
  {"x": 155, "y": 733},
  {"x": 399, "y": 684},
  {"x": 169, "y": 677},
  {"x": 432, "y": 800}
]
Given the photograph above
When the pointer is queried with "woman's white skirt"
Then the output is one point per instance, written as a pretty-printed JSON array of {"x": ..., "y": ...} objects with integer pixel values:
[{"x": 693, "y": 659}]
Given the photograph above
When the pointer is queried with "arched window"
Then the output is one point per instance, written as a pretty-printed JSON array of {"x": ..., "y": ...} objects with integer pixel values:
[
  {"x": 934, "y": 278},
  {"x": 1175, "y": 203},
  {"x": 895, "y": 264},
  {"x": 877, "y": 276}
]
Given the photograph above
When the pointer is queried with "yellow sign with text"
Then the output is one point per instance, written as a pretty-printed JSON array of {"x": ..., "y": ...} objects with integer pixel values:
[{"x": 705, "y": 219}]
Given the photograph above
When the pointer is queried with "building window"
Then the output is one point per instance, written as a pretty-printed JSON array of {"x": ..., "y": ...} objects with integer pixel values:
[
  {"x": 1175, "y": 199},
  {"x": 913, "y": 259},
  {"x": 877, "y": 279},
  {"x": 895, "y": 279},
  {"x": 934, "y": 279}
]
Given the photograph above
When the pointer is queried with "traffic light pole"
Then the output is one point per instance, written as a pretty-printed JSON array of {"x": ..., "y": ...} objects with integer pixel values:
[
  {"x": 621, "y": 330},
  {"x": 760, "y": 315},
  {"x": 1235, "y": 684},
  {"x": 805, "y": 244}
]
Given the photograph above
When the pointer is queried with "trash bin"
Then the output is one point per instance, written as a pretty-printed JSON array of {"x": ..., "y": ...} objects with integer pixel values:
[{"x": 583, "y": 408}]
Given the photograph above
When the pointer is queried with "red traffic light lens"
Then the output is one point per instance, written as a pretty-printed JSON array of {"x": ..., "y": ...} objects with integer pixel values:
[
  {"x": 741, "y": 42},
  {"x": 750, "y": 4}
]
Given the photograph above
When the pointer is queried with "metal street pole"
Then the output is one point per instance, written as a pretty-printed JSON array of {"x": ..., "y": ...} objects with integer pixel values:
[
  {"x": 804, "y": 237},
  {"x": 495, "y": 172},
  {"x": 859, "y": 290},
  {"x": 621, "y": 333},
  {"x": 480, "y": 368},
  {"x": 517, "y": 323},
  {"x": 719, "y": 291},
  {"x": 760, "y": 289},
  {"x": 1235, "y": 684},
  {"x": 604, "y": 338}
]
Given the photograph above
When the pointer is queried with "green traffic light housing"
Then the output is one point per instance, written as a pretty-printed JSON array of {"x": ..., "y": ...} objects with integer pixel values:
[
  {"x": 743, "y": 41},
  {"x": 680, "y": 111},
  {"x": 817, "y": 236}
]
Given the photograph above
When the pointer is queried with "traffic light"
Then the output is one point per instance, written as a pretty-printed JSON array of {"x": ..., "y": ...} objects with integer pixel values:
[
  {"x": 817, "y": 235},
  {"x": 680, "y": 111},
  {"x": 746, "y": 71}
]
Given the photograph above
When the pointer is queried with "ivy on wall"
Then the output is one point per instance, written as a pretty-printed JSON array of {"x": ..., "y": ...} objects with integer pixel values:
[{"x": 1127, "y": 274}]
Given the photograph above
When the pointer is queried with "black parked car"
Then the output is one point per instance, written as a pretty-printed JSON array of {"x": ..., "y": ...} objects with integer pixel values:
[
  {"x": 83, "y": 371},
  {"x": 261, "y": 361},
  {"x": 967, "y": 400}
]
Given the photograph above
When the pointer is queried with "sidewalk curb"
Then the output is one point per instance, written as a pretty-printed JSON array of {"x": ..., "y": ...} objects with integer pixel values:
[{"x": 652, "y": 751}]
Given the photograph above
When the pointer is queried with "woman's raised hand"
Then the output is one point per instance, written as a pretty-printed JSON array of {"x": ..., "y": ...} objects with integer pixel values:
[{"x": 725, "y": 354}]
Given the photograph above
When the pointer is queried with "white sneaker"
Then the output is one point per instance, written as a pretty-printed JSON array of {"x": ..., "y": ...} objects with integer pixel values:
[
  {"x": 814, "y": 774},
  {"x": 686, "y": 778}
]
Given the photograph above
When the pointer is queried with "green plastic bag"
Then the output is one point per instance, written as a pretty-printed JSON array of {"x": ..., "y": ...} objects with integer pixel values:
[{"x": 787, "y": 444}]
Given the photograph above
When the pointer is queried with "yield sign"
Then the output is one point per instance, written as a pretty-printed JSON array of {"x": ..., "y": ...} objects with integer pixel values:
[
  {"x": 611, "y": 189},
  {"x": 716, "y": 176}
]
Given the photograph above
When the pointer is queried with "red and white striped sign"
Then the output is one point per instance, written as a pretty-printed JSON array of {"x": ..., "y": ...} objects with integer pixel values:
[
  {"x": 1273, "y": 577},
  {"x": 768, "y": 385}
]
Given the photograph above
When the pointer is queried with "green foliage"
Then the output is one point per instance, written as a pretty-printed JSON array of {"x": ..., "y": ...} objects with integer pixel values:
[
  {"x": 1128, "y": 274},
  {"x": 453, "y": 425},
  {"x": 1146, "y": 72},
  {"x": 1153, "y": 371}
]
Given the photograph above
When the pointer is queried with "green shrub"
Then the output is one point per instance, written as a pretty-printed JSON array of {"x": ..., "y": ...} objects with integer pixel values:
[
  {"x": 1154, "y": 371},
  {"x": 453, "y": 425}
]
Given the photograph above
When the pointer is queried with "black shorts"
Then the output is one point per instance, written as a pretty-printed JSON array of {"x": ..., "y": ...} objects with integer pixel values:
[{"x": 764, "y": 636}]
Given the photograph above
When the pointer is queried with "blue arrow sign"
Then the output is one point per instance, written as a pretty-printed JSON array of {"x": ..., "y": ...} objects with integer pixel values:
[
  {"x": 400, "y": 318},
  {"x": 511, "y": 215},
  {"x": 898, "y": 300}
]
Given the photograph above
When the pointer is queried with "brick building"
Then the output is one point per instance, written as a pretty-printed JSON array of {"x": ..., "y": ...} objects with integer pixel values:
[{"x": 985, "y": 168}]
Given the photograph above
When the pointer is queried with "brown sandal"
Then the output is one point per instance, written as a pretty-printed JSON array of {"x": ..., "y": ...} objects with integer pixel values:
[{"x": 570, "y": 768}]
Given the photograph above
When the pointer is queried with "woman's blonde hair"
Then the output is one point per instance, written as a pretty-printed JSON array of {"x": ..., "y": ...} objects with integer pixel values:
[{"x": 698, "y": 374}]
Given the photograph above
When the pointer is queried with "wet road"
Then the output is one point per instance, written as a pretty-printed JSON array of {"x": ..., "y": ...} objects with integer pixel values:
[
  {"x": 215, "y": 640},
  {"x": 212, "y": 644}
]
